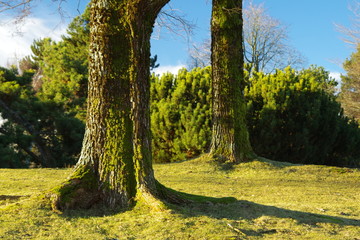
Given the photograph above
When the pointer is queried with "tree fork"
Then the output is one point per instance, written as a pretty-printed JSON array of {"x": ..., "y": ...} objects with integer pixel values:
[{"x": 115, "y": 166}]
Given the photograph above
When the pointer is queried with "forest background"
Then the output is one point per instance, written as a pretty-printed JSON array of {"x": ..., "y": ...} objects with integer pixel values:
[{"x": 293, "y": 115}]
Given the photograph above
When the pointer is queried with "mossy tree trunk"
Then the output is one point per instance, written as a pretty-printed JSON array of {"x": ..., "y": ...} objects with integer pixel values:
[
  {"x": 141, "y": 28},
  {"x": 115, "y": 163},
  {"x": 230, "y": 138}
]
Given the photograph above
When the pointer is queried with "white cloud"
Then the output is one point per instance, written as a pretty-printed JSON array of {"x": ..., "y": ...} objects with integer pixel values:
[
  {"x": 168, "y": 68},
  {"x": 15, "y": 46},
  {"x": 336, "y": 76}
]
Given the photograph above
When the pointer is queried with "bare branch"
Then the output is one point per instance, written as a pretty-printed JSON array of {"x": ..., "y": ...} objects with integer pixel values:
[
  {"x": 352, "y": 33},
  {"x": 13, "y": 4},
  {"x": 265, "y": 41},
  {"x": 174, "y": 22},
  {"x": 264, "y": 44},
  {"x": 200, "y": 54}
]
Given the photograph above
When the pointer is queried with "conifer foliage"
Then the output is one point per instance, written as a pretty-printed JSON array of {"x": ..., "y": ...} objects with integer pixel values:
[
  {"x": 294, "y": 116},
  {"x": 35, "y": 132},
  {"x": 180, "y": 114}
]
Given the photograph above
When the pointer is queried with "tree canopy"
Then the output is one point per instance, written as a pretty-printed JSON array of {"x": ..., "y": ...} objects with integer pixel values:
[{"x": 350, "y": 86}]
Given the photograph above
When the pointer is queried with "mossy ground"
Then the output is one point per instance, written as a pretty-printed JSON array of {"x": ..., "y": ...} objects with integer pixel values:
[{"x": 273, "y": 201}]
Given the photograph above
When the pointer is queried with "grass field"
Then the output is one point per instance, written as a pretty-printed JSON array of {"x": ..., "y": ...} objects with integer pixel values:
[{"x": 273, "y": 201}]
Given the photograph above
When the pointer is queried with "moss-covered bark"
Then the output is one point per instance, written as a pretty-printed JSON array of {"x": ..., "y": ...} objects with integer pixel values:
[
  {"x": 148, "y": 189},
  {"x": 107, "y": 148},
  {"x": 230, "y": 138},
  {"x": 116, "y": 153}
]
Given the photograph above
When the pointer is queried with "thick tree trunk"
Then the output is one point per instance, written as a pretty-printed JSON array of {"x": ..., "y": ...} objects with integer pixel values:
[
  {"x": 115, "y": 165},
  {"x": 230, "y": 138},
  {"x": 141, "y": 28},
  {"x": 148, "y": 188}
]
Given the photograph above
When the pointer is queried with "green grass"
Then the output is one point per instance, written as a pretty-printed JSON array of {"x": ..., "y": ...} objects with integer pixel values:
[{"x": 273, "y": 201}]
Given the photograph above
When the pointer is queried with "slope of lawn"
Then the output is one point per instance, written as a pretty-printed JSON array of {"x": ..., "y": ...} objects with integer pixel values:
[{"x": 274, "y": 200}]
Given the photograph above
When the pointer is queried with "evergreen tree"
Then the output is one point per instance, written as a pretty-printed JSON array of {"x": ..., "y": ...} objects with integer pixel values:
[
  {"x": 64, "y": 67},
  {"x": 35, "y": 132},
  {"x": 181, "y": 114},
  {"x": 294, "y": 116}
]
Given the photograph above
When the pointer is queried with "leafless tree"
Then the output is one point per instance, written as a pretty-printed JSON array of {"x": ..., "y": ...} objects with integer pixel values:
[
  {"x": 199, "y": 54},
  {"x": 352, "y": 33},
  {"x": 265, "y": 43},
  {"x": 349, "y": 96}
]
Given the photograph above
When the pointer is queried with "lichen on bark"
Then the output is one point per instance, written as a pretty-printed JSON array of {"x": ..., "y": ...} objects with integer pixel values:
[
  {"x": 116, "y": 152},
  {"x": 230, "y": 139}
]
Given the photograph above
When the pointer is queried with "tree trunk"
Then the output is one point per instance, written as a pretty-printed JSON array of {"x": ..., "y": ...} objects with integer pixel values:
[
  {"x": 230, "y": 138},
  {"x": 115, "y": 161}
]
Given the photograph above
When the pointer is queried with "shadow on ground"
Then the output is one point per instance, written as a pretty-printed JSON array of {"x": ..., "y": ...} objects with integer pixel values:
[
  {"x": 6, "y": 199},
  {"x": 241, "y": 209}
]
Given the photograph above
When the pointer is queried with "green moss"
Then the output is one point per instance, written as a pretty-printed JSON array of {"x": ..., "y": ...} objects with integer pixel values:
[
  {"x": 270, "y": 205},
  {"x": 70, "y": 194},
  {"x": 230, "y": 140}
]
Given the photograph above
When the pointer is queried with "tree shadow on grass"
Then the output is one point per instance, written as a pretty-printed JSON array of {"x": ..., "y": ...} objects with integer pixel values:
[
  {"x": 242, "y": 209},
  {"x": 6, "y": 199},
  {"x": 10, "y": 197},
  {"x": 234, "y": 210},
  {"x": 246, "y": 210}
]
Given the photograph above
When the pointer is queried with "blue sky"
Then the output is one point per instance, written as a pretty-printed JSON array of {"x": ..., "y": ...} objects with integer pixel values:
[{"x": 310, "y": 24}]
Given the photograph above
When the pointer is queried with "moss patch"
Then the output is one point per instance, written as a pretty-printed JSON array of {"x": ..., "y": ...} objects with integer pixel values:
[{"x": 80, "y": 191}]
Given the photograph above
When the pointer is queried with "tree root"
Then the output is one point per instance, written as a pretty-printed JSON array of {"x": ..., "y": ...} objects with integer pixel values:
[{"x": 80, "y": 191}]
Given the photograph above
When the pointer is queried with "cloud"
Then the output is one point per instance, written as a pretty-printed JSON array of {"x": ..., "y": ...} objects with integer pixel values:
[
  {"x": 168, "y": 68},
  {"x": 336, "y": 76},
  {"x": 15, "y": 45}
]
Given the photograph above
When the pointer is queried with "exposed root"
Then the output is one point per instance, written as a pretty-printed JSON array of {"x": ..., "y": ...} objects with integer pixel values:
[
  {"x": 80, "y": 191},
  {"x": 83, "y": 191},
  {"x": 74, "y": 195}
]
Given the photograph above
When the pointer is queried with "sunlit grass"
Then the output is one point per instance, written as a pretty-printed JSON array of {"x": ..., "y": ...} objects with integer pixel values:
[{"x": 274, "y": 201}]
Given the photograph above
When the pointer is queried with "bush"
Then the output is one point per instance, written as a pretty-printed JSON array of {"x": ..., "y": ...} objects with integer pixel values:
[{"x": 180, "y": 114}]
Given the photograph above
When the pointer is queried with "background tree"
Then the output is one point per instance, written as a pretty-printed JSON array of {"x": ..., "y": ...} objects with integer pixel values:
[
  {"x": 350, "y": 86},
  {"x": 352, "y": 33},
  {"x": 35, "y": 131},
  {"x": 200, "y": 55},
  {"x": 293, "y": 116},
  {"x": 349, "y": 96},
  {"x": 230, "y": 138},
  {"x": 265, "y": 43}
]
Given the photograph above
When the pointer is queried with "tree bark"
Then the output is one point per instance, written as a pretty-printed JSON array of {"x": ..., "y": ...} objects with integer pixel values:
[
  {"x": 115, "y": 166},
  {"x": 230, "y": 138}
]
